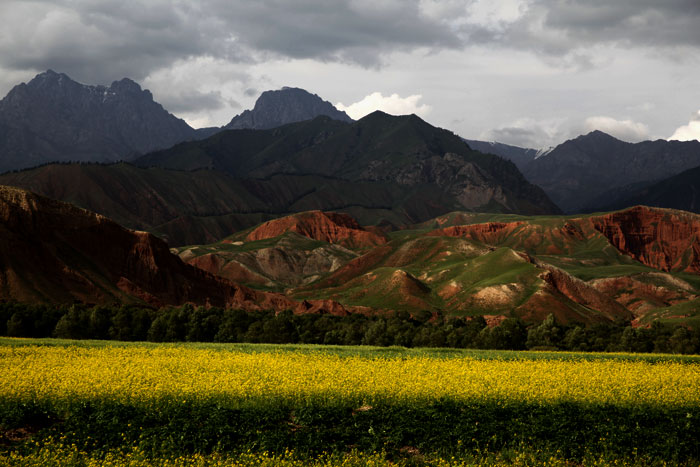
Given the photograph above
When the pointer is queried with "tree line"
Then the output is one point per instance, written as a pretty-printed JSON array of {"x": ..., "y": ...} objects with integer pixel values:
[{"x": 199, "y": 324}]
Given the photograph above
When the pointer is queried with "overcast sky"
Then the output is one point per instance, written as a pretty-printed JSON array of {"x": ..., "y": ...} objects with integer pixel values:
[{"x": 525, "y": 72}]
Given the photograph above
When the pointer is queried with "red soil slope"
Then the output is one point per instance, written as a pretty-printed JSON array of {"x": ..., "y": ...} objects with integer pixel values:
[
  {"x": 660, "y": 238},
  {"x": 55, "y": 252},
  {"x": 331, "y": 227}
]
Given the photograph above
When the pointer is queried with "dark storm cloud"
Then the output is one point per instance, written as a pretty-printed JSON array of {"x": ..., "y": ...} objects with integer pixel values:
[
  {"x": 560, "y": 27},
  {"x": 355, "y": 31},
  {"x": 98, "y": 41},
  {"x": 165, "y": 43}
]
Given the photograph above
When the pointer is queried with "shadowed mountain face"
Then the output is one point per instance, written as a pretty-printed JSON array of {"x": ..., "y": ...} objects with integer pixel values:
[
  {"x": 381, "y": 170},
  {"x": 287, "y": 105},
  {"x": 57, "y": 253},
  {"x": 517, "y": 155},
  {"x": 53, "y": 118},
  {"x": 403, "y": 151},
  {"x": 580, "y": 173},
  {"x": 680, "y": 191},
  {"x": 596, "y": 172}
]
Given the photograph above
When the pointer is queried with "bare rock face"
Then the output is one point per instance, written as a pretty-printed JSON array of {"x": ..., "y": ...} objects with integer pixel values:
[
  {"x": 53, "y": 118},
  {"x": 659, "y": 238},
  {"x": 645, "y": 292},
  {"x": 280, "y": 265},
  {"x": 287, "y": 105},
  {"x": 57, "y": 253},
  {"x": 584, "y": 294},
  {"x": 329, "y": 227},
  {"x": 490, "y": 233}
]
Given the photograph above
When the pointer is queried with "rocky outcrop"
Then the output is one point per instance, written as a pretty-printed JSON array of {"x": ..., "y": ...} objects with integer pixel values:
[
  {"x": 287, "y": 105},
  {"x": 490, "y": 233},
  {"x": 57, "y": 253},
  {"x": 645, "y": 292},
  {"x": 328, "y": 227},
  {"x": 584, "y": 294},
  {"x": 292, "y": 261},
  {"x": 659, "y": 238}
]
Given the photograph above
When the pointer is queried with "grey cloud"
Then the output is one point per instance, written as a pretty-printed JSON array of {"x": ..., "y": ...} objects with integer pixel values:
[
  {"x": 359, "y": 31},
  {"x": 100, "y": 41},
  {"x": 195, "y": 101},
  {"x": 96, "y": 41},
  {"x": 649, "y": 22},
  {"x": 522, "y": 137},
  {"x": 561, "y": 27}
]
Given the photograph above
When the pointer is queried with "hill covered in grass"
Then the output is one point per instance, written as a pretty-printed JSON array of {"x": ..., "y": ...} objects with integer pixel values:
[{"x": 621, "y": 266}]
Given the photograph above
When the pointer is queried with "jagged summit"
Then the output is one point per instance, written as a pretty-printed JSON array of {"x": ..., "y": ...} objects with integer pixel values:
[
  {"x": 287, "y": 105},
  {"x": 54, "y": 118}
]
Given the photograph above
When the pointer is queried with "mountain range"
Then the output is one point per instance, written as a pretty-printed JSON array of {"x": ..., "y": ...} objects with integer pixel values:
[
  {"x": 638, "y": 265},
  {"x": 295, "y": 206},
  {"x": 384, "y": 170},
  {"x": 634, "y": 265},
  {"x": 53, "y": 118},
  {"x": 597, "y": 171}
]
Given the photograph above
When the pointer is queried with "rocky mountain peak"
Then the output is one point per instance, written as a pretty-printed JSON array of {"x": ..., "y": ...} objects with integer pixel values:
[
  {"x": 127, "y": 86},
  {"x": 54, "y": 118}
]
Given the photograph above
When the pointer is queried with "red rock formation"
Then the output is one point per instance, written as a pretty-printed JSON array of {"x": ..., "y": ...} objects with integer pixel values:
[
  {"x": 490, "y": 233},
  {"x": 660, "y": 238},
  {"x": 232, "y": 270},
  {"x": 526, "y": 236},
  {"x": 641, "y": 294},
  {"x": 584, "y": 294},
  {"x": 331, "y": 227},
  {"x": 55, "y": 252}
]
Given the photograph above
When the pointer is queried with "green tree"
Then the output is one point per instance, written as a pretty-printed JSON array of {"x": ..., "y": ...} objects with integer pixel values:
[{"x": 547, "y": 335}]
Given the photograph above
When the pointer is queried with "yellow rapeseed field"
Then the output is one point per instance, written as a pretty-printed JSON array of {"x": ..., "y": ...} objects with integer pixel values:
[{"x": 143, "y": 375}]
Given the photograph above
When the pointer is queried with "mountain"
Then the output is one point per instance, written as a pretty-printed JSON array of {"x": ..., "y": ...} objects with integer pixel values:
[
  {"x": 579, "y": 172},
  {"x": 633, "y": 264},
  {"x": 204, "y": 206},
  {"x": 402, "y": 151},
  {"x": 285, "y": 252},
  {"x": 287, "y": 105},
  {"x": 638, "y": 264},
  {"x": 680, "y": 191},
  {"x": 53, "y": 118},
  {"x": 330, "y": 227},
  {"x": 382, "y": 170},
  {"x": 54, "y": 252},
  {"x": 517, "y": 155}
]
